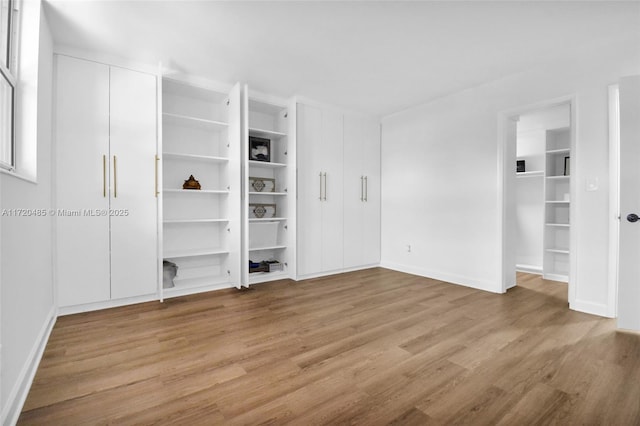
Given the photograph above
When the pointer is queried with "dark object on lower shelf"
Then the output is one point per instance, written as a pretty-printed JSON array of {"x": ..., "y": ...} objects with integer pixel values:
[
  {"x": 265, "y": 266},
  {"x": 169, "y": 272},
  {"x": 520, "y": 166}
]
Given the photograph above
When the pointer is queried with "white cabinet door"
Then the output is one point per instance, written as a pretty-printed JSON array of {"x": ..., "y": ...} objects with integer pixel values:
[
  {"x": 310, "y": 190},
  {"x": 133, "y": 180},
  {"x": 372, "y": 185},
  {"x": 82, "y": 171},
  {"x": 354, "y": 226},
  {"x": 332, "y": 201}
]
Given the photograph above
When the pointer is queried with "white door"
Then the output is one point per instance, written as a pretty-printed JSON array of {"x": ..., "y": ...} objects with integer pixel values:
[
  {"x": 354, "y": 226},
  {"x": 82, "y": 173},
  {"x": 629, "y": 246},
  {"x": 332, "y": 198},
  {"x": 310, "y": 190},
  {"x": 133, "y": 179},
  {"x": 372, "y": 185}
]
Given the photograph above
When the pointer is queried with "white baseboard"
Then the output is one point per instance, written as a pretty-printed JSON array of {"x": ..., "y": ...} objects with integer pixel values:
[
  {"x": 599, "y": 309},
  {"x": 336, "y": 271},
  {"x": 76, "y": 309},
  {"x": 493, "y": 287},
  {"x": 19, "y": 393},
  {"x": 529, "y": 269}
]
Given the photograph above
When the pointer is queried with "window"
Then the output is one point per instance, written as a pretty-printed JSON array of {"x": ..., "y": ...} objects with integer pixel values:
[{"x": 7, "y": 83}]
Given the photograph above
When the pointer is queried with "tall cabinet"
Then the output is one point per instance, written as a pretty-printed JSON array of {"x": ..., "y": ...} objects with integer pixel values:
[
  {"x": 339, "y": 191},
  {"x": 269, "y": 189},
  {"x": 201, "y": 225},
  {"x": 557, "y": 204},
  {"x": 361, "y": 192},
  {"x": 106, "y": 204}
]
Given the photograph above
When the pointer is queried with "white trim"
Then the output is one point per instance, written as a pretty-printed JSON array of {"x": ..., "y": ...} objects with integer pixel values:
[
  {"x": 590, "y": 308},
  {"x": 336, "y": 108},
  {"x": 76, "y": 309},
  {"x": 489, "y": 286},
  {"x": 614, "y": 194},
  {"x": 18, "y": 395},
  {"x": 337, "y": 271},
  {"x": 529, "y": 269},
  {"x": 111, "y": 60}
]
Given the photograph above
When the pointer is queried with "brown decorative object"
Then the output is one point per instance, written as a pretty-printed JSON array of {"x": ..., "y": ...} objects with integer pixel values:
[
  {"x": 262, "y": 211},
  {"x": 191, "y": 183},
  {"x": 260, "y": 184}
]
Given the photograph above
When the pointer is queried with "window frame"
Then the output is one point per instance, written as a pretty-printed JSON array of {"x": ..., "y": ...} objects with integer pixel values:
[{"x": 9, "y": 73}]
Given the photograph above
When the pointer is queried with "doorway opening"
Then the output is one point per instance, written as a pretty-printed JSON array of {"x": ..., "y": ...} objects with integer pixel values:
[{"x": 537, "y": 147}]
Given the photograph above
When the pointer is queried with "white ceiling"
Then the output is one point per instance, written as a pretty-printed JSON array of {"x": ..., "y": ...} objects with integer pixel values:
[{"x": 377, "y": 57}]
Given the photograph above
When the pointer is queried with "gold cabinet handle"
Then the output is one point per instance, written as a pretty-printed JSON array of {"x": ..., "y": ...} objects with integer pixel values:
[
  {"x": 115, "y": 177},
  {"x": 104, "y": 176},
  {"x": 156, "y": 162}
]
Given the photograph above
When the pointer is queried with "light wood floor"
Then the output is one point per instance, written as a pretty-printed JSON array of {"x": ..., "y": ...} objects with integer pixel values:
[{"x": 370, "y": 347}]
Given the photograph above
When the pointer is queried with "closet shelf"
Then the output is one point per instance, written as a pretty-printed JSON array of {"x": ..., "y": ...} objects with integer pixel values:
[
  {"x": 169, "y": 221},
  {"x": 269, "y": 193},
  {"x": 557, "y": 250},
  {"x": 558, "y": 202},
  {"x": 174, "y": 254},
  {"x": 267, "y": 248},
  {"x": 534, "y": 173},
  {"x": 177, "y": 155},
  {"x": 560, "y": 225},
  {"x": 268, "y": 219},
  {"x": 197, "y": 191},
  {"x": 559, "y": 151},
  {"x": 558, "y": 177},
  {"x": 262, "y": 133},
  {"x": 266, "y": 165},
  {"x": 185, "y": 120}
]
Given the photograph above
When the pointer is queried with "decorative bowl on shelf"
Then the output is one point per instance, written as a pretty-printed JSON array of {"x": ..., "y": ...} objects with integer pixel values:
[{"x": 191, "y": 183}]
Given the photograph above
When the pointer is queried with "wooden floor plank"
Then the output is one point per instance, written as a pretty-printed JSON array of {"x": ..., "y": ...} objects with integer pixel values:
[{"x": 368, "y": 347}]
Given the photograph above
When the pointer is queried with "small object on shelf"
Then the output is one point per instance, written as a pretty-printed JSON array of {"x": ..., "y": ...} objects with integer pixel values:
[
  {"x": 567, "y": 165},
  {"x": 520, "y": 166},
  {"x": 275, "y": 266},
  {"x": 259, "y": 149},
  {"x": 260, "y": 184},
  {"x": 258, "y": 267},
  {"x": 169, "y": 272},
  {"x": 259, "y": 211},
  {"x": 191, "y": 183}
]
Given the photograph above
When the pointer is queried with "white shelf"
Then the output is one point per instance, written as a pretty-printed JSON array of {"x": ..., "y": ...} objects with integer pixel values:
[
  {"x": 558, "y": 151},
  {"x": 555, "y": 250},
  {"x": 269, "y": 193},
  {"x": 266, "y": 164},
  {"x": 558, "y": 177},
  {"x": 196, "y": 282},
  {"x": 174, "y": 254},
  {"x": 261, "y": 277},
  {"x": 169, "y": 221},
  {"x": 535, "y": 173},
  {"x": 210, "y": 158},
  {"x": 558, "y": 202},
  {"x": 559, "y": 225},
  {"x": 262, "y": 133},
  {"x": 268, "y": 248},
  {"x": 198, "y": 191},
  {"x": 268, "y": 219},
  {"x": 185, "y": 120}
]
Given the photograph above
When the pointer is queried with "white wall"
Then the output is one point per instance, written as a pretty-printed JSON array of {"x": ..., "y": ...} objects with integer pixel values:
[
  {"x": 27, "y": 296},
  {"x": 440, "y": 173}
]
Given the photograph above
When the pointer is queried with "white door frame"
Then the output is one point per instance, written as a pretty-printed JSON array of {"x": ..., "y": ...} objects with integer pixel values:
[
  {"x": 505, "y": 172},
  {"x": 614, "y": 198}
]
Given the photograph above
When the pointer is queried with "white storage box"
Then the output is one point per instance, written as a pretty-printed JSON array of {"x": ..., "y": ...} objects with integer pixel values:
[{"x": 263, "y": 234}]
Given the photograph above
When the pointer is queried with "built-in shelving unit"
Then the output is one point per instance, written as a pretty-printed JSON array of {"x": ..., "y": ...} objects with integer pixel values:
[
  {"x": 269, "y": 189},
  {"x": 201, "y": 136},
  {"x": 557, "y": 204}
]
